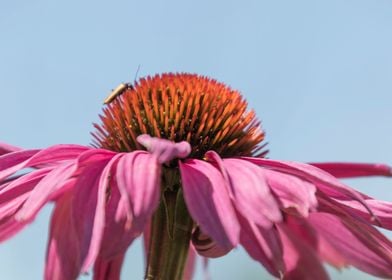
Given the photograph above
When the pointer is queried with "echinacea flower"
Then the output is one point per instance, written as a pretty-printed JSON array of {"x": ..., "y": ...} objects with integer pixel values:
[{"x": 179, "y": 159}]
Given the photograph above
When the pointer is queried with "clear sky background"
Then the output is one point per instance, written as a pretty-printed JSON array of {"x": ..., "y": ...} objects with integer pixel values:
[{"x": 318, "y": 73}]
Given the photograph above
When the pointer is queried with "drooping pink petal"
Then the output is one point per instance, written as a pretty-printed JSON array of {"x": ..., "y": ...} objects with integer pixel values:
[
  {"x": 165, "y": 150},
  {"x": 349, "y": 170},
  {"x": 305, "y": 232},
  {"x": 362, "y": 245},
  {"x": 63, "y": 261},
  {"x": 9, "y": 227},
  {"x": 43, "y": 190},
  {"x": 301, "y": 261},
  {"x": 61, "y": 189},
  {"x": 4, "y": 183},
  {"x": 324, "y": 181},
  {"x": 124, "y": 208},
  {"x": 249, "y": 190},
  {"x": 208, "y": 202},
  {"x": 14, "y": 201},
  {"x": 98, "y": 230},
  {"x": 6, "y": 148},
  {"x": 12, "y": 197},
  {"x": 13, "y": 162},
  {"x": 17, "y": 186},
  {"x": 108, "y": 269},
  {"x": 90, "y": 156},
  {"x": 88, "y": 204},
  {"x": 263, "y": 245},
  {"x": 9, "y": 159},
  {"x": 119, "y": 232},
  {"x": 381, "y": 209},
  {"x": 292, "y": 192},
  {"x": 139, "y": 174}
]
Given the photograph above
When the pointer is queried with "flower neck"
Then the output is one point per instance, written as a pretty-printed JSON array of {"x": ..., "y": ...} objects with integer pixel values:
[{"x": 171, "y": 231}]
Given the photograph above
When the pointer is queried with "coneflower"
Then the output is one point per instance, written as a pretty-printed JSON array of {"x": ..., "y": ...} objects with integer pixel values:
[{"x": 180, "y": 159}]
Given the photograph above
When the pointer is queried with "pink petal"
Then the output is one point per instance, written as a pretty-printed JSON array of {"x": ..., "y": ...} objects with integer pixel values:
[
  {"x": 108, "y": 269},
  {"x": 249, "y": 190},
  {"x": 13, "y": 162},
  {"x": 300, "y": 259},
  {"x": 139, "y": 174},
  {"x": 293, "y": 192},
  {"x": 12, "y": 197},
  {"x": 62, "y": 189},
  {"x": 348, "y": 169},
  {"x": 124, "y": 208},
  {"x": 381, "y": 209},
  {"x": 263, "y": 245},
  {"x": 6, "y": 148},
  {"x": 92, "y": 155},
  {"x": 99, "y": 219},
  {"x": 11, "y": 206},
  {"x": 9, "y": 227},
  {"x": 301, "y": 228},
  {"x": 208, "y": 202},
  {"x": 41, "y": 193},
  {"x": 22, "y": 185},
  {"x": 164, "y": 149},
  {"x": 362, "y": 245},
  {"x": 63, "y": 254},
  {"x": 118, "y": 232},
  {"x": 325, "y": 182},
  {"x": 89, "y": 204}
]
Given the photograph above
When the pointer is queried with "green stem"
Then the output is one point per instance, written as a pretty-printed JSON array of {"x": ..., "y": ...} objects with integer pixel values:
[{"x": 171, "y": 230}]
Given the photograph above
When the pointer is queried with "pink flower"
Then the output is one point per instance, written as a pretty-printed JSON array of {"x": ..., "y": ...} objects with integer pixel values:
[{"x": 206, "y": 186}]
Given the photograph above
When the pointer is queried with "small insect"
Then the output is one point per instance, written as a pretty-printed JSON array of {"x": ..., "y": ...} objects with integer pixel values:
[
  {"x": 117, "y": 92},
  {"x": 120, "y": 89}
]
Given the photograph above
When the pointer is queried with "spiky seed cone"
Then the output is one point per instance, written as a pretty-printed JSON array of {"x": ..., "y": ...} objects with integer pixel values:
[{"x": 207, "y": 114}]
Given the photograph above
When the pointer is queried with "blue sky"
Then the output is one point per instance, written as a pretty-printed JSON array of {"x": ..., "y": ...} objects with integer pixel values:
[{"x": 318, "y": 73}]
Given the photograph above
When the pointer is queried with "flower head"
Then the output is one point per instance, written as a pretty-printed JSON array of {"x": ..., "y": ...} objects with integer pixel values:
[
  {"x": 181, "y": 107},
  {"x": 178, "y": 158}
]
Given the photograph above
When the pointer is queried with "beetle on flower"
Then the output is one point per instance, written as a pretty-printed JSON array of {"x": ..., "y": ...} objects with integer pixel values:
[{"x": 179, "y": 159}]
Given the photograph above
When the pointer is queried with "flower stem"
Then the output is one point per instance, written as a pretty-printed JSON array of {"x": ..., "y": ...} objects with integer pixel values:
[{"x": 171, "y": 231}]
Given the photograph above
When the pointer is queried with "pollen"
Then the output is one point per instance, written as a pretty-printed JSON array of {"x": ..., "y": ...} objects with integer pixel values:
[{"x": 181, "y": 107}]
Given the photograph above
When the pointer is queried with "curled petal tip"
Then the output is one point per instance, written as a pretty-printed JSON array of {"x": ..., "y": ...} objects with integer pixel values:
[
  {"x": 206, "y": 247},
  {"x": 390, "y": 171},
  {"x": 165, "y": 150},
  {"x": 352, "y": 170},
  {"x": 184, "y": 149},
  {"x": 145, "y": 140},
  {"x": 383, "y": 170}
]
